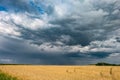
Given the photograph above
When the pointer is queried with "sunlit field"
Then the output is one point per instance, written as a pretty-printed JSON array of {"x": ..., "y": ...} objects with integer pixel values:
[{"x": 29, "y": 72}]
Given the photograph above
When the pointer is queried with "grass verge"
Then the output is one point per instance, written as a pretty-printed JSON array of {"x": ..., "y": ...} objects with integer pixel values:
[{"x": 4, "y": 76}]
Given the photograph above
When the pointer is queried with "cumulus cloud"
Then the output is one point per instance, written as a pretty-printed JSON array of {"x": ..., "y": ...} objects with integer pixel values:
[
  {"x": 28, "y": 22},
  {"x": 23, "y": 20},
  {"x": 7, "y": 28},
  {"x": 108, "y": 46}
]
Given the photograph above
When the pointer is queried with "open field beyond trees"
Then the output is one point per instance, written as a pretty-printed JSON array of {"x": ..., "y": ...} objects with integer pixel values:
[{"x": 36, "y": 72}]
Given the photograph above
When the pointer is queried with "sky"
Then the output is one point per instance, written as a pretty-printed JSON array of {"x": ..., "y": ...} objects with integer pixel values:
[{"x": 59, "y": 32}]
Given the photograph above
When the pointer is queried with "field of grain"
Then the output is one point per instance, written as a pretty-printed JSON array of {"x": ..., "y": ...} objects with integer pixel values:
[{"x": 29, "y": 72}]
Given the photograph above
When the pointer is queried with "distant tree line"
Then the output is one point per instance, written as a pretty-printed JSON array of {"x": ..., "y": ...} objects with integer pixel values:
[
  {"x": 106, "y": 64},
  {"x": 14, "y": 64}
]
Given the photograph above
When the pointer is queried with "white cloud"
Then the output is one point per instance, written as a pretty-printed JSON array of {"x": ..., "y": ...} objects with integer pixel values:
[
  {"x": 114, "y": 54},
  {"x": 54, "y": 47},
  {"x": 60, "y": 48},
  {"x": 65, "y": 38},
  {"x": 60, "y": 10},
  {"x": 112, "y": 58},
  {"x": 29, "y": 22},
  {"x": 116, "y": 12},
  {"x": 24, "y": 20},
  {"x": 6, "y": 60},
  {"x": 110, "y": 45},
  {"x": 7, "y": 28}
]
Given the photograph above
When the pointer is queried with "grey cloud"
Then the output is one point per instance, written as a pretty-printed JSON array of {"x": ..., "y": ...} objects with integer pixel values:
[
  {"x": 18, "y": 51},
  {"x": 71, "y": 30}
]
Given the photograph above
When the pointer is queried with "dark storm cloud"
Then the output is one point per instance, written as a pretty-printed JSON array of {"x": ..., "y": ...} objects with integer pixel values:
[
  {"x": 59, "y": 32},
  {"x": 56, "y": 34},
  {"x": 30, "y": 55}
]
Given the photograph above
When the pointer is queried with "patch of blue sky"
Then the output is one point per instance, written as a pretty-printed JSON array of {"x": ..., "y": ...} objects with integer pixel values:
[
  {"x": 2, "y": 8},
  {"x": 32, "y": 3},
  {"x": 39, "y": 8}
]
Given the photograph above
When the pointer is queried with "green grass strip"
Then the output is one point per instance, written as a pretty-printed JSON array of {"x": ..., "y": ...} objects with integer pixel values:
[{"x": 4, "y": 76}]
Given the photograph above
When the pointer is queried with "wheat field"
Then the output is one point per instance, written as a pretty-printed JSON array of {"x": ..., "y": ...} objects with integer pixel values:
[{"x": 36, "y": 72}]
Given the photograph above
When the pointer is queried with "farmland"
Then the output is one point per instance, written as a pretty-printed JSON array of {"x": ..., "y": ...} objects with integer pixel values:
[{"x": 36, "y": 72}]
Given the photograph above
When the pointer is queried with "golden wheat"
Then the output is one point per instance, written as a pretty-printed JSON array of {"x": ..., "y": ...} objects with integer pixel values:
[{"x": 27, "y": 72}]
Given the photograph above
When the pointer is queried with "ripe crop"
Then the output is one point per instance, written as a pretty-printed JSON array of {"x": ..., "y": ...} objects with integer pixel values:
[{"x": 36, "y": 72}]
